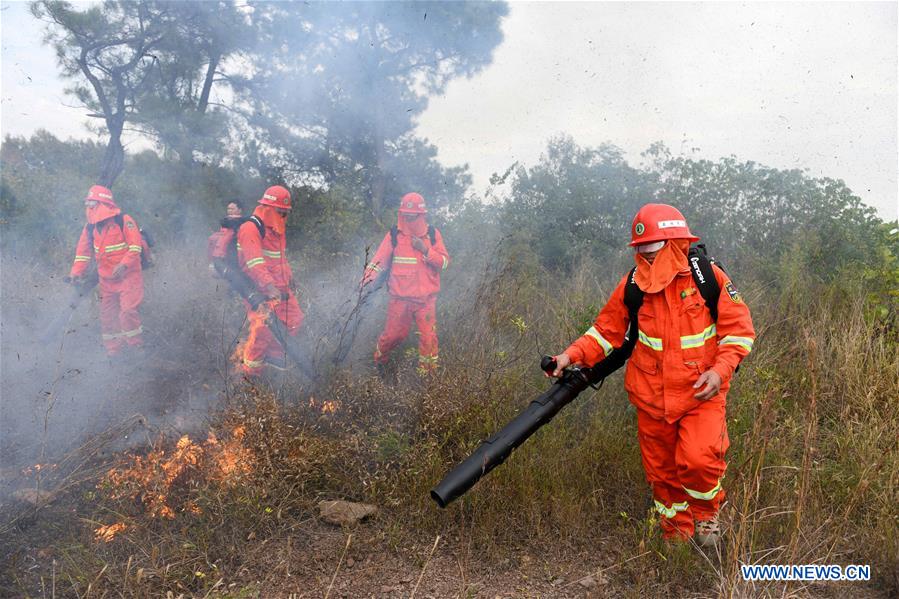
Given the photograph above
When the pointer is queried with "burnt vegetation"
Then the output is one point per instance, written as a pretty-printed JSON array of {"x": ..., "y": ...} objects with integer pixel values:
[{"x": 163, "y": 478}]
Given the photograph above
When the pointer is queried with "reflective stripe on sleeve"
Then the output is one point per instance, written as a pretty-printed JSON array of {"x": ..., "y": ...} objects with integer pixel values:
[
  {"x": 135, "y": 248},
  {"x": 651, "y": 342},
  {"x": 255, "y": 262},
  {"x": 271, "y": 254},
  {"x": 699, "y": 339},
  {"x": 133, "y": 332},
  {"x": 708, "y": 496},
  {"x": 374, "y": 267},
  {"x": 744, "y": 342},
  {"x": 445, "y": 262},
  {"x": 603, "y": 343},
  {"x": 82, "y": 258}
]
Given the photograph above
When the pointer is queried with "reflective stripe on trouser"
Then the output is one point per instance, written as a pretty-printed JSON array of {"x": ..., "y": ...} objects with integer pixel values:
[
  {"x": 260, "y": 340},
  {"x": 119, "y": 312},
  {"x": 400, "y": 314},
  {"x": 684, "y": 464}
]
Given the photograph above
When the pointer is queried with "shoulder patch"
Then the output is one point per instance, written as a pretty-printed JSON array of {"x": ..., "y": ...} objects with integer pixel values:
[
  {"x": 129, "y": 224},
  {"x": 733, "y": 293}
]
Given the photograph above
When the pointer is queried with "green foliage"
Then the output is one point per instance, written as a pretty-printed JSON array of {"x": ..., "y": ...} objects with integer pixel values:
[
  {"x": 336, "y": 89},
  {"x": 575, "y": 202},
  {"x": 881, "y": 277},
  {"x": 579, "y": 202}
]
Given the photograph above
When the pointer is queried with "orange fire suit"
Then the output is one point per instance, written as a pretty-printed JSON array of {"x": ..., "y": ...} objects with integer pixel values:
[
  {"x": 264, "y": 259},
  {"x": 682, "y": 440},
  {"x": 120, "y": 297},
  {"x": 413, "y": 285}
]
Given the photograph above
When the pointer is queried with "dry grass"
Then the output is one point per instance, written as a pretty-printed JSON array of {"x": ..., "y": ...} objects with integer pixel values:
[{"x": 814, "y": 475}]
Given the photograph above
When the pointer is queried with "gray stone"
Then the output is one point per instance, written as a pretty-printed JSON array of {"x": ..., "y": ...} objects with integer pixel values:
[{"x": 345, "y": 513}]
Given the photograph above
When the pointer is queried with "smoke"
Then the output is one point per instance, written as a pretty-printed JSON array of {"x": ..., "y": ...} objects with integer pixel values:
[
  {"x": 321, "y": 101},
  {"x": 57, "y": 395}
]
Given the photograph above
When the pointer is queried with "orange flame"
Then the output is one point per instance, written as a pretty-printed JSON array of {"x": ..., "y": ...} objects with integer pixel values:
[
  {"x": 108, "y": 533},
  {"x": 156, "y": 477}
]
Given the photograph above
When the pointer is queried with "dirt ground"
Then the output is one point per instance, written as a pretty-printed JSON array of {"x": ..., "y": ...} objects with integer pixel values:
[{"x": 318, "y": 558}]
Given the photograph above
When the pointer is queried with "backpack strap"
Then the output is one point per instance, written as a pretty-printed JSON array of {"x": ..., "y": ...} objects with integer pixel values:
[
  {"x": 633, "y": 299},
  {"x": 90, "y": 237},
  {"x": 704, "y": 277},
  {"x": 394, "y": 232},
  {"x": 119, "y": 220},
  {"x": 432, "y": 234},
  {"x": 633, "y": 295},
  {"x": 259, "y": 224}
]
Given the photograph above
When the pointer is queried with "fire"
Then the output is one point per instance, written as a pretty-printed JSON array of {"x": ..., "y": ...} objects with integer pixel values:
[
  {"x": 229, "y": 459},
  {"x": 108, "y": 533},
  {"x": 162, "y": 480},
  {"x": 37, "y": 468},
  {"x": 326, "y": 407}
]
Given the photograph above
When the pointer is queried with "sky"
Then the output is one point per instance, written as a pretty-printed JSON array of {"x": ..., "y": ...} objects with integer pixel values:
[{"x": 788, "y": 85}]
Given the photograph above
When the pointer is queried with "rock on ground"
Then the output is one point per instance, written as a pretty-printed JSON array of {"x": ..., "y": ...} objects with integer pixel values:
[{"x": 345, "y": 513}]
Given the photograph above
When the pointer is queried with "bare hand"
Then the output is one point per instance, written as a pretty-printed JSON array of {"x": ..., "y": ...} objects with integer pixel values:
[
  {"x": 419, "y": 245},
  {"x": 712, "y": 382},
  {"x": 562, "y": 362}
]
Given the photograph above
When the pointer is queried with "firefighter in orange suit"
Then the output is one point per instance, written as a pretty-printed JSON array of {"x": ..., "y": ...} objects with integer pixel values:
[
  {"x": 415, "y": 255},
  {"x": 679, "y": 373},
  {"x": 114, "y": 241},
  {"x": 263, "y": 258}
]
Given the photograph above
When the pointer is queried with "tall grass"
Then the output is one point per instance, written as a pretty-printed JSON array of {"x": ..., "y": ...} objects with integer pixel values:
[{"x": 814, "y": 463}]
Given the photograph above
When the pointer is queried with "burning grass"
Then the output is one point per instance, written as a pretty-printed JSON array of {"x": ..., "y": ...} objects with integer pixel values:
[
  {"x": 812, "y": 477},
  {"x": 161, "y": 481}
]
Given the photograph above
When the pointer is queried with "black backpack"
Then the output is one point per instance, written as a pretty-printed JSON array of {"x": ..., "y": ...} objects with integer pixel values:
[
  {"x": 234, "y": 224},
  {"x": 147, "y": 242},
  {"x": 228, "y": 267},
  {"x": 703, "y": 276}
]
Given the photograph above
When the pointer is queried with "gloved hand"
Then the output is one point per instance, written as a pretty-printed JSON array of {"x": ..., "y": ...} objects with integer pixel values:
[
  {"x": 419, "y": 245},
  {"x": 119, "y": 271}
]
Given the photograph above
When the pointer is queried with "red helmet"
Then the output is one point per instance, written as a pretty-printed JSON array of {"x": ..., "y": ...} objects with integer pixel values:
[
  {"x": 413, "y": 203},
  {"x": 98, "y": 193},
  {"x": 657, "y": 222},
  {"x": 276, "y": 197}
]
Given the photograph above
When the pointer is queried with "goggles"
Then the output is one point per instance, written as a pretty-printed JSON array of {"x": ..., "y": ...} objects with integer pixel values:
[
  {"x": 90, "y": 203},
  {"x": 648, "y": 248}
]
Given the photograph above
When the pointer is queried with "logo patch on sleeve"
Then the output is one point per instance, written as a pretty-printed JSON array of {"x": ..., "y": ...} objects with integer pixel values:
[
  {"x": 129, "y": 224},
  {"x": 733, "y": 293}
]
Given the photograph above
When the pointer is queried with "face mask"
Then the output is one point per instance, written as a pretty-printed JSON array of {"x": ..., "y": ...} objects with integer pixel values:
[
  {"x": 98, "y": 211},
  {"x": 671, "y": 259},
  {"x": 417, "y": 227}
]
